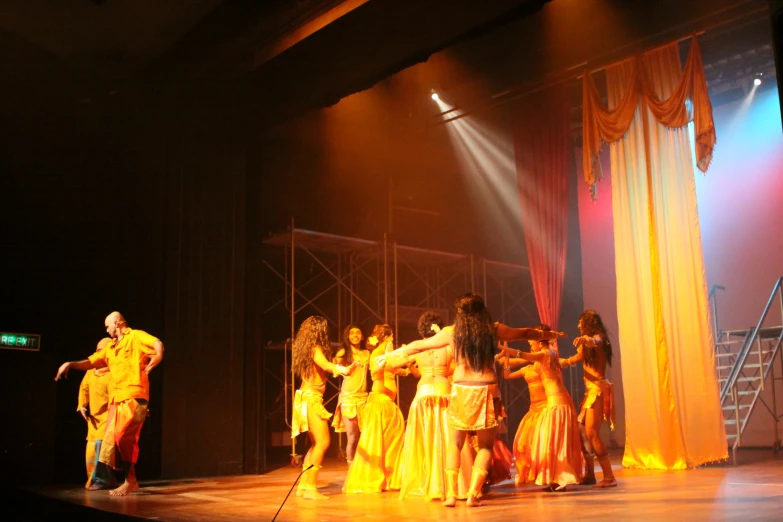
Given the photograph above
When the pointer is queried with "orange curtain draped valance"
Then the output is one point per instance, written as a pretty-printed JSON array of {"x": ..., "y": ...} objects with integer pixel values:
[{"x": 602, "y": 125}]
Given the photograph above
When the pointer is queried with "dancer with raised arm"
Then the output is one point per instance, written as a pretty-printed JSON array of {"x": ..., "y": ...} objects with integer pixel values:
[
  {"x": 594, "y": 349},
  {"x": 311, "y": 360},
  {"x": 130, "y": 356},
  {"x": 376, "y": 465},
  {"x": 353, "y": 392},
  {"x": 423, "y": 463},
  {"x": 529, "y": 424},
  {"x": 555, "y": 458},
  {"x": 475, "y": 398}
]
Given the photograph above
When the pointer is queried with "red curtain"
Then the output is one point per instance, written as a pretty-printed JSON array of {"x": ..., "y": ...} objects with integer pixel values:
[{"x": 541, "y": 149}]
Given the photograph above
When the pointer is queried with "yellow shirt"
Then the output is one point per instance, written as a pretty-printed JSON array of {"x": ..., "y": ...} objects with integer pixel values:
[
  {"x": 126, "y": 360},
  {"x": 95, "y": 392}
]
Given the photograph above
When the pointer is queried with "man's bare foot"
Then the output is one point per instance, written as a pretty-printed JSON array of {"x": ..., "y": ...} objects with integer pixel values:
[
  {"x": 473, "y": 501},
  {"x": 607, "y": 483},
  {"x": 312, "y": 494},
  {"x": 587, "y": 481},
  {"x": 450, "y": 502},
  {"x": 125, "y": 489}
]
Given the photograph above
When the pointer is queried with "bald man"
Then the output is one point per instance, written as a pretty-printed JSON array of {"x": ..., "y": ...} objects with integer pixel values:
[{"x": 130, "y": 356}]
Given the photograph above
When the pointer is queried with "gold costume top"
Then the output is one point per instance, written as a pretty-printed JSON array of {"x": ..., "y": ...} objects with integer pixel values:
[
  {"x": 435, "y": 368},
  {"x": 384, "y": 379},
  {"x": 357, "y": 381},
  {"x": 532, "y": 375}
]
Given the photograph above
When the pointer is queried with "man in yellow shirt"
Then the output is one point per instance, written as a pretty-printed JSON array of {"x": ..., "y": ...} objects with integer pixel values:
[
  {"x": 94, "y": 400},
  {"x": 130, "y": 357}
]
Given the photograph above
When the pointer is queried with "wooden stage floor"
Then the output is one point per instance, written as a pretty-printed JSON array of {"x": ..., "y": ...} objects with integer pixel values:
[{"x": 751, "y": 491}]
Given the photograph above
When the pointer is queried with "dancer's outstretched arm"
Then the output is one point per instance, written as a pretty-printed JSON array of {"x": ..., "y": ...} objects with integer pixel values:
[{"x": 508, "y": 334}]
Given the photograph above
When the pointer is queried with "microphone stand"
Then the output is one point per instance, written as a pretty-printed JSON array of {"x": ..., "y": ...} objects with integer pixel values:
[{"x": 290, "y": 490}]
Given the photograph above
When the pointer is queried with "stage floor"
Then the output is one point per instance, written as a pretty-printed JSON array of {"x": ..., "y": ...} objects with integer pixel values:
[{"x": 751, "y": 491}]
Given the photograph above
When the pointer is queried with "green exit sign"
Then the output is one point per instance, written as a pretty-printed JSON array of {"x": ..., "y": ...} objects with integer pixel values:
[{"x": 20, "y": 341}]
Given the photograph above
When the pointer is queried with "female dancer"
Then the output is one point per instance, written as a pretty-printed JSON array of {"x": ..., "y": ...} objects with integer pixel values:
[
  {"x": 595, "y": 350},
  {"x": 376, "y": 465},
  {"x": 555, "y": 458},
  {"x": 427, "y": 435},
  {"x": 530, "y": 422},
  {"x": 475, "y": 398},
  {"x": 310, "y": 360},
  {"x": 353, "y": 393}
]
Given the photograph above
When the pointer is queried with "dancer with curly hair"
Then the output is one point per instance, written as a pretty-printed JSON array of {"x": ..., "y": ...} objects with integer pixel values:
[
  {"x": 426, "y": 434},
  {"x": 375, "y": 467},
  {"x": 594, "y": 349},
  {"x": 311, "y": 360},
  {"x": 353, "y": 392},
  {"x": 475, "y": 398}
]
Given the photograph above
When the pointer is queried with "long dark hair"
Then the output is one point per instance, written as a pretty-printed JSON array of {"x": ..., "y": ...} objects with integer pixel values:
[
  {"x": 313, "y": 332},
  {"x": 347, "y": 343},
  {"x": 474, "y": 333},
  {"x": 426, "y": 321},
  {"x": 593, "y": 325}
]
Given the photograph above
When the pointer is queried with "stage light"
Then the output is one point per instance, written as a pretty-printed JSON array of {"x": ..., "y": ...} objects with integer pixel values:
[
  {"x": 434, "y": 96},
  {"x": 757, "y": 80}
]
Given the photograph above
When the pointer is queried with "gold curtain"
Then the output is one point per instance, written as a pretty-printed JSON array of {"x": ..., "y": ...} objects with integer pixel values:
[
  {"x": 673, "y": 415},
  {"x": 688, "y": 102}
]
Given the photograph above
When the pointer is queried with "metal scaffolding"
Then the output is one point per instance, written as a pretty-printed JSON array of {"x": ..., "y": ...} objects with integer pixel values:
[{"x": 356, "y": 281}]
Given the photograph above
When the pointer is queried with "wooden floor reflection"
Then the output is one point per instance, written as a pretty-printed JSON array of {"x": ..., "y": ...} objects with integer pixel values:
[{"x": 751, "y": 491}]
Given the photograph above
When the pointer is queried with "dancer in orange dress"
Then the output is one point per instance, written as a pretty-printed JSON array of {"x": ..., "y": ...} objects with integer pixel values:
[
  {"x": 376, "y": 465},
  {"x": 594, "y": 348},
  {"x": 310, "y": 361},
  {"x": 555, "y": 456},
  {"x": 475, "y": 398},
  {"x": 353, "y": 392},
  {"x": 529, "y": 424}
]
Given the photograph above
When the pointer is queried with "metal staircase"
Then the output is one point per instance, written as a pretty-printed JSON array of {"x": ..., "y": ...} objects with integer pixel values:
[{"x": 744, "y": 361}]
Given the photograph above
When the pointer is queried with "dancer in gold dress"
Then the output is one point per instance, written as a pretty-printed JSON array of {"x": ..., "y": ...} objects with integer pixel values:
[
  {"x": 353, "y": 392},
  {"x": 376, "y": 465},
  {"x": 311, "y": 360},
  {"x": 475, "y": 398}
]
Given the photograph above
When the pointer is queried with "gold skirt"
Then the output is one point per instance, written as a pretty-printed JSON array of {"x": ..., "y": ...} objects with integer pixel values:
[
  {"x": 427, "y": 437},
  {"x": 474, "y": 408},
  {"x": 303, "y": 401},
  {"x": 593, "y": 390},
  {"x": 349, "y": 406},
  {"x": 555, "y": 448},
  {"x": 527, "y": 428},
  {"x": 376, "y": 465}
]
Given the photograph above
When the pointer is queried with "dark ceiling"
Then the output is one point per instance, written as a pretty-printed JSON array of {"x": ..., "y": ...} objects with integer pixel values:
[
  {"x": 235, "y": 60},
  {"x": 255, "y": 63}
]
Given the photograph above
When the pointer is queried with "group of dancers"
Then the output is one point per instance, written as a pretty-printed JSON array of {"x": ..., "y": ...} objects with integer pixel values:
[{"x": 451, "y": 429}]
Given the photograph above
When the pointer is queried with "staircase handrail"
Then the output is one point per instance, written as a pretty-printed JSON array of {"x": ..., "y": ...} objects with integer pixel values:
[{"x": 746, "y": 347}]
